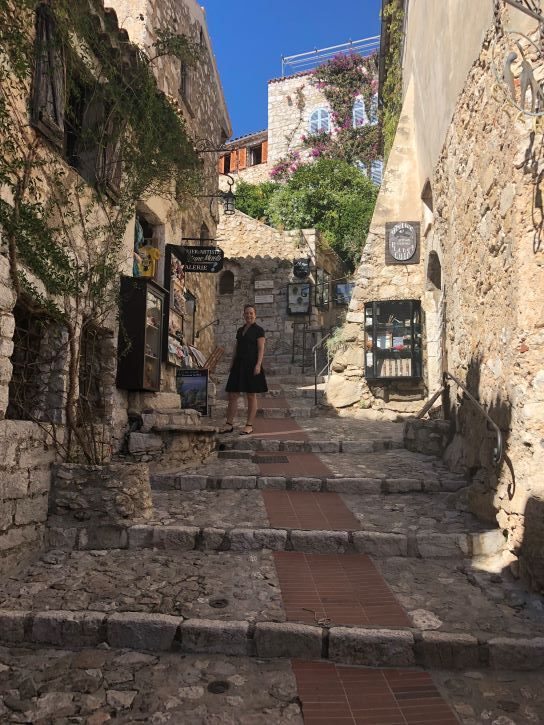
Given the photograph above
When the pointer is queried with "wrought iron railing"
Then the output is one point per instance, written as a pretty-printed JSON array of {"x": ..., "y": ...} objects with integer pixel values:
[
  {"x": 498, "y": 451},
  {"x": 320, "y": 352}
]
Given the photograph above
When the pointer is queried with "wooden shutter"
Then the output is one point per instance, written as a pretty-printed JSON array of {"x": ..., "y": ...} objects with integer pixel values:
[
  {"x": 221, "y": 165},
  {"x": 265, "y": 152},
  {"x": 112, "y": 171},
  {"x": 90, "y": 148},
  {"x": 234, "y": 161},
  {"x": 49, "y": 81},
  {"x": 242, "y": 159}
]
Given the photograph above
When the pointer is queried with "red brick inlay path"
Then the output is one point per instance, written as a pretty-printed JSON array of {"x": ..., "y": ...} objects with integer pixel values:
[
  {"x": 344, "y": 588},
  {"x": 279, "y": 428},
  {"x": 307, "y": 510},
  {"x": 299, "y": 465},
  {"x": 334, "y": 695}
]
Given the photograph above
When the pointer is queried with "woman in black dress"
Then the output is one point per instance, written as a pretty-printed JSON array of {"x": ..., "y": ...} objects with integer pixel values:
[{"x": 246, "y": 372}]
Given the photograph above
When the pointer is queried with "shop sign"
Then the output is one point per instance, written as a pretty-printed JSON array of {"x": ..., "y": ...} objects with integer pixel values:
[{"x": 202, "y": 259}]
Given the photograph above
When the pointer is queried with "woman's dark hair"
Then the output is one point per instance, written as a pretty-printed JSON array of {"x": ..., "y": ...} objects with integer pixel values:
[{"x": 250, "y": 307}]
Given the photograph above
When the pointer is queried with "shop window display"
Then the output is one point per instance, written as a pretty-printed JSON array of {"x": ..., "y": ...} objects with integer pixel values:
[{"x": 393, "y": 339}]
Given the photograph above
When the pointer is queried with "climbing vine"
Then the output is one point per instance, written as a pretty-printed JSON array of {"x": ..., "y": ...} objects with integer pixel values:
[
  {"x": 64, "y": 236},
  {"x": 391, "y": 92}
]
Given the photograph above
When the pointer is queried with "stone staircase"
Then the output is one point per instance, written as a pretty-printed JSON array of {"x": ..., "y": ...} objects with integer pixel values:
[{"x": 316, "y": 538}]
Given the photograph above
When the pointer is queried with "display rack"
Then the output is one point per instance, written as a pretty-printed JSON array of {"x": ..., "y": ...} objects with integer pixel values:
[
  {"x": 140, "y": 334},
  {"x": 393, "y": 348}
]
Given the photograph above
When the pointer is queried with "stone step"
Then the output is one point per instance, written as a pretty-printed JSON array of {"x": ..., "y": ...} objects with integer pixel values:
[
  {"x": 415, "y": 525},
  {"x": 453, "y": 616},
  {"x": 336, "y": 484},
  {"x": 254, "y": 443},
  {"x": 307, "y": 411}
]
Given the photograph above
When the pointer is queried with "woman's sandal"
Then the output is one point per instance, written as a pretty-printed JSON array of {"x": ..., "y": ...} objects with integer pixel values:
[
  {"x": 246, "y": 432},
  {"x": 227, "y": 428}
]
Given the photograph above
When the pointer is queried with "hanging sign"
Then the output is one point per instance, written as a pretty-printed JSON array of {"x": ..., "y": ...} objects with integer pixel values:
[{"x": 202, "y": 259}]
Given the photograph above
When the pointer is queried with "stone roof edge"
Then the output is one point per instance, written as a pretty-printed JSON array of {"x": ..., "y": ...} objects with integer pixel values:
[{"x": 301, "y": 74}]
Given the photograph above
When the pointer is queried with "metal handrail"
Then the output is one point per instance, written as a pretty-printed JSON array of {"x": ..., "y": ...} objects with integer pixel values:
[
  {"x": 498, "y": 451},
  {"x": 327, "y": 366}
]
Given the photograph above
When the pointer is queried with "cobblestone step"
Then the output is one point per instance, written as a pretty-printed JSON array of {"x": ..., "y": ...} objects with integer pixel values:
[
  {"x": 422, "y": 544},
  {"x": 381, "y": 484},
  {"x": 43, "y": 683},
  {"x": 457, "y": 616},
  {"x": 255, "y": 443}
]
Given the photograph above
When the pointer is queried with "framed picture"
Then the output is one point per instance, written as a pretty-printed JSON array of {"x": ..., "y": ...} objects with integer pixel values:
[
  {"x": 342, "y": 293},
  {"x": 298, "y": 298},
  {"x": 192, "y": 386}
]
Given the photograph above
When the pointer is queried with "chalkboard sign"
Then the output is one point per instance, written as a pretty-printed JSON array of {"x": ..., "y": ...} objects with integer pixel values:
[{"x": 192, "y": 386}]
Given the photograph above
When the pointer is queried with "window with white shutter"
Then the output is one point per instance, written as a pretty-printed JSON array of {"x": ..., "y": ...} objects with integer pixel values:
[{"x": 359, "y": 113}]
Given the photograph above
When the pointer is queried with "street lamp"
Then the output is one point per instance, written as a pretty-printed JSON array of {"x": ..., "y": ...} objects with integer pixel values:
[{"x": 228, "y": 198}]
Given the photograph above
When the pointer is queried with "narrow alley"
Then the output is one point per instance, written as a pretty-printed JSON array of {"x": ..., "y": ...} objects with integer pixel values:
[{"x": 316, "y": 571}]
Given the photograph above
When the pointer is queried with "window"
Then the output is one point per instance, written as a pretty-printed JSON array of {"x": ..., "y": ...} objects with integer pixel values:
[
  {"x": 434, "y": 272},
  {"x": 359, "y": 113},
  {"x": 374, "y": 110},
  {"x": 320, "y": 121},
  {"x": 376, "y": 172},
  {"x": 48, "y": 88},
  {"x": 185, "y": 83},
  {"x": 362, "y": 167},
  {"x": 92, "y": 366},
  {"x": 226, "y": 283},
  {"x": 38, "y": 358},
  {"x": 255, "y": 155},
  {"x": 226, "y": 167},
  {"x": 205, "y": 240}
]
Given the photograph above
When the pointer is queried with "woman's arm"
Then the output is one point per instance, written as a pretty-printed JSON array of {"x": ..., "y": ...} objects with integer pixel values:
[{"x": 260, "y": 355}]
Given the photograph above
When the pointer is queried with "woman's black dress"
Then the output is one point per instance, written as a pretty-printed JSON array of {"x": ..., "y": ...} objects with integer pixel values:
[{"x": 242, "y": 378}]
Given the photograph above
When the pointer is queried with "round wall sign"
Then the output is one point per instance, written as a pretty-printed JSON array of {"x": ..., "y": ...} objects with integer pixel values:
[{"x": 402, "y": 241}]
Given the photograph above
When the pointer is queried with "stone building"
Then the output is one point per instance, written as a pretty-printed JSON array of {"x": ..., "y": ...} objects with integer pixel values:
[
  {"x": 466, "y": 276},
  {"x": 35, "y": 377}
]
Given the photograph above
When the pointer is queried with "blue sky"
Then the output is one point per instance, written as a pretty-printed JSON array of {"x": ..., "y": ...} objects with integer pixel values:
[{"x": 250, "y": 36}]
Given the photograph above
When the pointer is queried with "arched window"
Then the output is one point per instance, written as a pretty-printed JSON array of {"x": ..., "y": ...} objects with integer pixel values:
[
  {"x": 374, "y": 110},
  {"x": 434, "y": 272},
  {"x": 226, "y": 283},
  {"x": 320, "y": 121},
  {"x": 359, "y": 113},
  {"x": 205, "y": 236}
]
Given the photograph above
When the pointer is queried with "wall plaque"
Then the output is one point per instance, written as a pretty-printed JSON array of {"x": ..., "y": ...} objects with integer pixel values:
[
  {"x": 402, "y": 243},
  {"x": 264, "y": 299},
  {"x": 264, "y": 284}
]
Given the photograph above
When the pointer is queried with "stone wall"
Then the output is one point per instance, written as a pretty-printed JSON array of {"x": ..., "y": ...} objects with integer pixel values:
[
  {"x": 480, "y": 281},
  {"x": 489, "y": 230},
  {"x": 261, "y": 260},
  {"x": 24, "y": 486}
]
